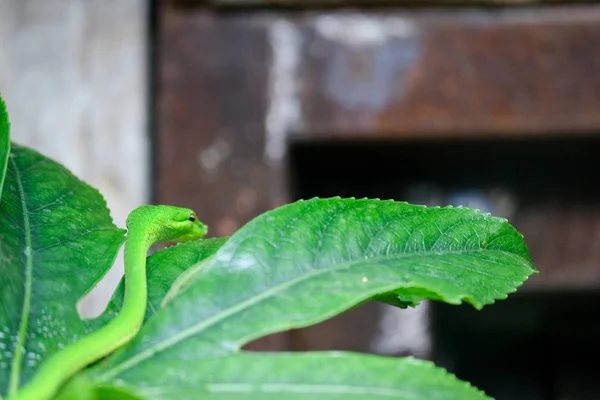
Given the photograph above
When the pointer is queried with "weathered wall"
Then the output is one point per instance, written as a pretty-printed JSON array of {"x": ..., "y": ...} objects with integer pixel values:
[{"x": 73, "y": 74}]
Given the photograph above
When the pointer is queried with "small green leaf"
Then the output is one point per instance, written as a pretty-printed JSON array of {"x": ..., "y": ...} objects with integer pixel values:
[
  {"x": 4, "y": 142},
  {"x": 57, "y": 240},
  {"x": 308, "y": 261},
  {"x": 295, "y": 376}
]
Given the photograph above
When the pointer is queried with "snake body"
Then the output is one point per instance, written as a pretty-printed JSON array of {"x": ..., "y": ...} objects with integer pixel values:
[{"x": 146, "y": 226}]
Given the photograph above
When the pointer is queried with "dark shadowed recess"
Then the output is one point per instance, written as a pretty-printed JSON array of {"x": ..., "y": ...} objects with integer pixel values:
[
  {"x": 537, "y": 169},
  {"x": 534, "y": 346},
  {"x": 528, "y": 346}
]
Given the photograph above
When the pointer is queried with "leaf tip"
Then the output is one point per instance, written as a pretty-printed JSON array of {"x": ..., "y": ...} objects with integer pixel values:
[{"x": 4, "y": 119}]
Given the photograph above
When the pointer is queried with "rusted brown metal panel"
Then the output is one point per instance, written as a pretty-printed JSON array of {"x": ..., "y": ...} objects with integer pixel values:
[
  {"x": 367, "y": 76},
  {"x": 211, "y": 119},
  {"x": 211, "y": 123},
  {"x": 420, "y": 74},
  {"x": 301, "y": 4},
  {"x": 235, "y": 89},
  {"x": 433, "y": 74}
]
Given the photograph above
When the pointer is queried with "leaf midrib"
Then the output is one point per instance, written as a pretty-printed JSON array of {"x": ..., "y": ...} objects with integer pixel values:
[
  {"x": 197, "y": 328},
  {"x": 4, "y": 130},
  {"x": 290, "y": 388},
  {"x": 17, "y": 361}
]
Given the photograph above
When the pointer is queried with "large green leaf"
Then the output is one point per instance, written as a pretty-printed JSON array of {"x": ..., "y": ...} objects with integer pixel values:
[
  {"x": 4, "y": 142},
  {"x": 57, "y": 240},
  {"x": 299, "y": 376},
  {"x": 164, "y": 267},
  {"x": 305, "y": 262}
]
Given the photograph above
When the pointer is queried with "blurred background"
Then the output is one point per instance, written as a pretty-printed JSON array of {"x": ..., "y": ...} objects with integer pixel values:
[{"x": 233, "y": 107}]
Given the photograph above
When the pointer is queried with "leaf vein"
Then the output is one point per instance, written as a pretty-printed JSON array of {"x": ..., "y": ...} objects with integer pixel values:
[{"x": 15, "y": 373}]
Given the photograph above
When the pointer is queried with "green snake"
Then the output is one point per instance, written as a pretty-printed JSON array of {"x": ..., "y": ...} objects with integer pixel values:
[{"x": 146, "y": 226}]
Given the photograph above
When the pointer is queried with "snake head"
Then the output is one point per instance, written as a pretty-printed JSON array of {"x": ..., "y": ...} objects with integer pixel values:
[
  {"x": 166, "y": 223},
  {"x": 186, "y": 225}
]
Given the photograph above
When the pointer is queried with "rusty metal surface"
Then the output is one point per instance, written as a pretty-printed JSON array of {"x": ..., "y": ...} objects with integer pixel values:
[
  {"x": 452, "y": 74},
  {"x": 211, "y": 123},
  {"x": 236, "y": 89},
  {"x": 211, "y": 137},
  {"x": 426, "y": 74},
  {"x": 302, "y": 4}
]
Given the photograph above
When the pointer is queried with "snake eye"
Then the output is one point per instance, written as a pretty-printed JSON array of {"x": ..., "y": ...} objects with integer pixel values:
[{"x": 192, "y": 218}]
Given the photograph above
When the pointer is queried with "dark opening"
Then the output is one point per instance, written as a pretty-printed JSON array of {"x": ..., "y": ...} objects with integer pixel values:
[{"x": 538, "y": 344}]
